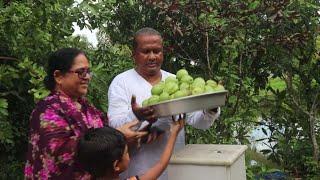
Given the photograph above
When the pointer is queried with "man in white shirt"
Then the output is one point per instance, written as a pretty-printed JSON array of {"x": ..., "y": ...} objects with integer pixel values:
[{"x": 148, "y": 58}]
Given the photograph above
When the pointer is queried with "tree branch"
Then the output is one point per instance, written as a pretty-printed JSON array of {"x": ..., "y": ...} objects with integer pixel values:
[
  {"x": 8, "y": 58},
  {"x": 207, "y": 54}
]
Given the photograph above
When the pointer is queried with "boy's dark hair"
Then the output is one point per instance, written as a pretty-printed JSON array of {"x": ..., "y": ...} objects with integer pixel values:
[
  {"x": 99, "y": 148},
  {"x": 62, "y": 60}
]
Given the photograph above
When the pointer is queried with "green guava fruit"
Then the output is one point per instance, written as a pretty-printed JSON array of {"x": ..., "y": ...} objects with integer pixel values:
[
  {"x": 164, "y": 96},
  {"x": 145, "y": 103},
  {"x": 184, "y": 86},
  {"x": 197, "y": 90},
  {"x": 181, "y": 73},
  {"x": 186, "y": 79},
  {"x": 157, "y": 89},
  {"x": 171, "y": 79},
  {"x": 208, "y": 89},
  {"x": 170, "y": 87},
  {"x": 197, "y": 85},
  {"x": 219, "y": 87},
  {"x": 153, "y": 100},
  {"x": 199, "y": 80},
  {"x": 172, "y": 96},
  {"x": 211, "y": 83},
  {"x": 179, "y": 94},
  {"x": 186, "y": 91}
]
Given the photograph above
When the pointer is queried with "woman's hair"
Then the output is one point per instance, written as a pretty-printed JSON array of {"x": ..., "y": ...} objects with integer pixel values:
[
  {"x": 99, "y": 148},
  {"x": 62, "y": 60}
]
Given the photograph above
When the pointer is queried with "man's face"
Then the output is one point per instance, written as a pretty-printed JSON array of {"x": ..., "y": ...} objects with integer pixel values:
[{"x": 148, "y": 55}]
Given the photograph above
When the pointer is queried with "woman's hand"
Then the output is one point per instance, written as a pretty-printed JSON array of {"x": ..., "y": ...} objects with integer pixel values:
[{"x": 132, "y": 136}]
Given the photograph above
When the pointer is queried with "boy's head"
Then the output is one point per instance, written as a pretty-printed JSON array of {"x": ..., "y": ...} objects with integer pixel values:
[{"x": 103, "y": 151}]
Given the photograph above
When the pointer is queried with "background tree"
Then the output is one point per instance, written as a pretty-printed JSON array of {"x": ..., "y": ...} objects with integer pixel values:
[
  {"x": 265, "y": 52},
  {"x": 244, "y": 45},
  {"x": 29, "y": 31}
]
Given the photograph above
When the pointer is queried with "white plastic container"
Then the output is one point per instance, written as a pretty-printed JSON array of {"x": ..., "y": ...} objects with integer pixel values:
[{"x": 208, "y": 161}]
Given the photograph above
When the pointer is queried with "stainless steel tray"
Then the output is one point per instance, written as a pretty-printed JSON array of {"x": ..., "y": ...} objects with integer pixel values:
[{"x": 190, "y": 103}]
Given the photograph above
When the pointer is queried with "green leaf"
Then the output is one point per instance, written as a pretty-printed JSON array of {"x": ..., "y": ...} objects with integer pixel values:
[
  {"x": 254, "y": 4},
  {"x": 3, "y": 103},
  {"x": 273, "y": 170}
]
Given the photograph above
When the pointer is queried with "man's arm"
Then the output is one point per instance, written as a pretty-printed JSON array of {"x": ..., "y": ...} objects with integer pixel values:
[
  {"x": 119, "y": 105},
  {"x": 203, "y": 119}
]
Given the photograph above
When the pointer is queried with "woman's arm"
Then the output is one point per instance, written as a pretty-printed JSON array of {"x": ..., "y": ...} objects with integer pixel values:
[{"x": 131, "y": 135}]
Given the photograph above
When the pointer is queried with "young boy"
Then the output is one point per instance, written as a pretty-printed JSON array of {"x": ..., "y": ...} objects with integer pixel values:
[{"x": 104, "y": 153}]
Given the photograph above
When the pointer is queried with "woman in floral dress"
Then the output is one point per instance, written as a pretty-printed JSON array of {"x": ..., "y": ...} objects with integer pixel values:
[{"x": 58, "y": 121}]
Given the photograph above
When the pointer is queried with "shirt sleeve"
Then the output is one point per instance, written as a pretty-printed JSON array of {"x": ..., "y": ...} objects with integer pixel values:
[
  {"x": 119, "y": 106},
  {"x": 202, "y": 119}
]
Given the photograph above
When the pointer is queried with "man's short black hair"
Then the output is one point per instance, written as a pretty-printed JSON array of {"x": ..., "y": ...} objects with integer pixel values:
[
  {"x": 144, "y": 31},
  {"x": 99, "y": 148}
]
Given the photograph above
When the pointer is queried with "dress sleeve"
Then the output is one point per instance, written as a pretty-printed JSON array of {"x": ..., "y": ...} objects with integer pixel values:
[
  {"x": 119, "y": 106},
  {"x": 52, "y": 146},
  {"x": 202, "y": 119}
]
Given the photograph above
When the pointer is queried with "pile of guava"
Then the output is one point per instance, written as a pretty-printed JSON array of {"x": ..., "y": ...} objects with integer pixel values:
[{"x": 180, "y": 86}]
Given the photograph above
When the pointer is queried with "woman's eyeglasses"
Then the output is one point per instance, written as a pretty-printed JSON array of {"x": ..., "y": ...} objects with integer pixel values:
[{"x": 82, "y": 72}]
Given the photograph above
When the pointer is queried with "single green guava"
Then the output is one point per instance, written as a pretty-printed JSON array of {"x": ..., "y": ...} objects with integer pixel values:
[
  {"x": 171, "y": 79},
  {"x": 186, "y": 79},
  {"x": 157, "y": 89},
  {"x": 211, "y": 83},
  {"x": 181, "y": 73},
  {"x": 145, "y": 103},
  {"x": 170, "y": 87},
  {"x": 153, "y": 100},
  {"x": 164, "y": 96},
  {"x": 197, "y": 90}
]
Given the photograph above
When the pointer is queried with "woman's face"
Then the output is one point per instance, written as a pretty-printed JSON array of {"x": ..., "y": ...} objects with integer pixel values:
[{"x": 75, "y": 82}]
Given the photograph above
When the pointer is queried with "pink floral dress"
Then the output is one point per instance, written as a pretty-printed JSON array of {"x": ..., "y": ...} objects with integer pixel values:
[{"x": 56, "y": 126}]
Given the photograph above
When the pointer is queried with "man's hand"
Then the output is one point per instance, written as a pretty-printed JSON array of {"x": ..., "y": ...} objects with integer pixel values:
[
  {"x": 132, "y": 136},
  {"x": 214, "y": 110},
  {"x": 143, "y": 113}
]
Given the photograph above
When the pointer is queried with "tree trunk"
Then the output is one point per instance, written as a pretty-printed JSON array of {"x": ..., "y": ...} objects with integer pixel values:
[
  {"x": 207, "y": 55},
  {"x": 313, "y": 136}
]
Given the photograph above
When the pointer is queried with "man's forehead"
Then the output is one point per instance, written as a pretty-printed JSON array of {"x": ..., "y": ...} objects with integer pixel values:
[{"x": 149, "y": 38}]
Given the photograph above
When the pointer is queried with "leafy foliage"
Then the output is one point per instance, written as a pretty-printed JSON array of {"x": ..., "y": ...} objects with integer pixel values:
[
  {"x": 29, "y": 31},
  {"x": 266, "y": 53},
  {"x": 243, "y": 44},
  {"x": 109, "y": 62}
]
